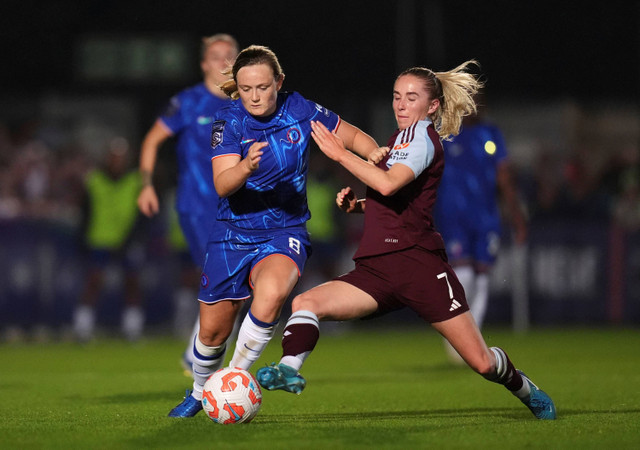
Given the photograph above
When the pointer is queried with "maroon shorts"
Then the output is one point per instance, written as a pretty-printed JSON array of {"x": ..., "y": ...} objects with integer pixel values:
[{"x": 415, "y": 278}]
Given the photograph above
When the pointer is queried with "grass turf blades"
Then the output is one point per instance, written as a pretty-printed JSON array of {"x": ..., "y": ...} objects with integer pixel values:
[{"x": 366, "y": 389}]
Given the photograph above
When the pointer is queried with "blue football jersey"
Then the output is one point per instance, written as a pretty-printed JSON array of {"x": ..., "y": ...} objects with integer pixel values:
[
  {"x": 467, "y": 212},
  {"x": 469, "y": 182},
  {"x": 189, "y": 116},
  {"x": 274, "y": 196}
]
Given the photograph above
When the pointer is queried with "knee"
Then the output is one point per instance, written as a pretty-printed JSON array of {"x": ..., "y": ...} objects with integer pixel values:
[
  {"x": 213, "y": 337},
  {"x": 270, "y": 297},
  {"x": 304, "y": 302},
  {"x": 267, "y": 305}
]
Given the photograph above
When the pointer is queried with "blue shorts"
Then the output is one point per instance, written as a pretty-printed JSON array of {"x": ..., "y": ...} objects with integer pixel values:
[
  {"x": 473, "y": 240},
  {"x": 232, "y": 253},
  {"x": 196, "y": 232}
]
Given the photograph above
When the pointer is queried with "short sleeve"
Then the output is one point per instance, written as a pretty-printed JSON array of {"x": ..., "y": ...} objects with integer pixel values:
[
  {"x": 325, "y": 116},
  {"x": 173, "y": 115},
  {"x": 226, "y": 137},
  {"x": 413, "y": 148}
]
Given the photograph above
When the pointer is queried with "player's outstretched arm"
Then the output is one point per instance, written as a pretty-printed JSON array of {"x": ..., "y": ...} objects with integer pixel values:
[
  {"x": 148, "y": 202},
  {"x": 387, "y": 182},
  {"x": 356, "y": 140}
]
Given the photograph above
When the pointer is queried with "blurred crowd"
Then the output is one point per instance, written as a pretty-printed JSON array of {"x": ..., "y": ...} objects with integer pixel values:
[
  {"x": 39, "y": 180},
  {"x": 569, "y": 188},
  {"x": 45, "y": 182}
]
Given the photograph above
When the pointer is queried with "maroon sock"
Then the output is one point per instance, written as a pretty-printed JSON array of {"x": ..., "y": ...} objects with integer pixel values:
[
  {"x": 299, "y": 338},
  {"x": 507, "y": 374}
]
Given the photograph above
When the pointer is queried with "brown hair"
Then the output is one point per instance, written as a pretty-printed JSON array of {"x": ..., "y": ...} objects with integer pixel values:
[{"x": 250, "y": 56}]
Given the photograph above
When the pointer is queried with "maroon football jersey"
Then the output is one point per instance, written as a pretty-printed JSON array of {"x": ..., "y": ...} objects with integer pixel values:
[{"x": 405, "y": 219}]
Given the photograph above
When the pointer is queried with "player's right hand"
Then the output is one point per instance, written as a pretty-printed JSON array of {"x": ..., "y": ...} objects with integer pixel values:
[{"x": 148, "y": 201}]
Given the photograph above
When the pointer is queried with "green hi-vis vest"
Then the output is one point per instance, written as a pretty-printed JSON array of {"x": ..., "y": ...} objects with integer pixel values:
[
  {"x": 177, "y": 241},
  {"x": 321, "y": 199},
  {"x": 113, "y": 209}
]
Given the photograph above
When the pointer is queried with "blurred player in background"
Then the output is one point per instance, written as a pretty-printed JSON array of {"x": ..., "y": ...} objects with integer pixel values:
[
  {"x": 188, "y": 117},
  {"x": 260, "y": 162},
  {"x": 109, "y": 219},
  {"x": 401, "y": 261},
  {"x": 477, "y": 179}
]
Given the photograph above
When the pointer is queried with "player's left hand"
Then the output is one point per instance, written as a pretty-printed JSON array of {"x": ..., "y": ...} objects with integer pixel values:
[
  {"x": 346, "y": 199},
  {"x": 330, "y": 143}
]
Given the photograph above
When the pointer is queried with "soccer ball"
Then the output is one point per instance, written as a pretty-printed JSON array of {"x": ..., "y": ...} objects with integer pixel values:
[{"x": 231, "y": 395}]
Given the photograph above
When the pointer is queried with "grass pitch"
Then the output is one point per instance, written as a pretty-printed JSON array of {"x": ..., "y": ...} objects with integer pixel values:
[{"x": 367, "y": 388}]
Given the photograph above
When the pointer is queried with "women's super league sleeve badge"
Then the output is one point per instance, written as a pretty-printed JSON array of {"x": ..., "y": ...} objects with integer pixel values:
[{"x": 217, "y": 129}]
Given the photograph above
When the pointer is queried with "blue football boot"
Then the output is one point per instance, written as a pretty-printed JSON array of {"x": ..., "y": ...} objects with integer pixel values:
[
  {"x": 281, "y": 377},
  {"x": 538, "y": 402},
  {"x": 188, "y": 408}
]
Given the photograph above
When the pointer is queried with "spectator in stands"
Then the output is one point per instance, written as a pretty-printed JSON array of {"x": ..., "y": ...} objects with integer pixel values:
[{"x": 111, "y": 217}]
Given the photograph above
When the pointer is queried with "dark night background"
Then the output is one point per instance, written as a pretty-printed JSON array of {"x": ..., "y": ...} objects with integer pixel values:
[{"x": 330, "y": 49}]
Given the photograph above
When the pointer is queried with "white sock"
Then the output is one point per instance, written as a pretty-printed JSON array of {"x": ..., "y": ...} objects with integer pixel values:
[
  {"x": 524, "y": 392},
  {"x": 501, "y": 371},
  {"x": 206, "y": 360},
  {"x": 501, "y": 361},
  {"x": 253, "y": 337},
  {"x": 133, "y": 322},
  {"x": 480, "y": 298},
  {"x": 84, "y": 321}
]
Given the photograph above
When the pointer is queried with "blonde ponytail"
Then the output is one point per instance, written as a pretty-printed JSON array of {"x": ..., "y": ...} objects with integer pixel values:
[
  {"x": 455, "y": 89},
  {"x": 458, "y": 90}
]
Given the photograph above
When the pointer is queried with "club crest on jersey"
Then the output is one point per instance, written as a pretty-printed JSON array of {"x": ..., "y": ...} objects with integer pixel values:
[
  {"x": 217, "y": 129},
  {"x": 294, "y": 135}
]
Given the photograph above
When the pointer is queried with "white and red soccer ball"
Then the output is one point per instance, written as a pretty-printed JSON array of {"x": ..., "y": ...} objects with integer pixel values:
[{"x": 231, "y": 395}]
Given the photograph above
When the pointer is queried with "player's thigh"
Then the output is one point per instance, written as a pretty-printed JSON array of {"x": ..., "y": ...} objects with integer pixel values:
[
  {"x": 274, "y": 277},
  {"x": 336, "y": 300}
]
